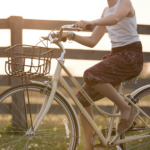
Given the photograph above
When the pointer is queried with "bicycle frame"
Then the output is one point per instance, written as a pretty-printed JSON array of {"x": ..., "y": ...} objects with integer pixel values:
[
  {"x": 48, "y": 101},
  {"x": 88, "y": 118}
]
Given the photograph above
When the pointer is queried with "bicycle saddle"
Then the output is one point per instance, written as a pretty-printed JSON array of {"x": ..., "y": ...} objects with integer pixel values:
[{"x": 131, "y": 80}]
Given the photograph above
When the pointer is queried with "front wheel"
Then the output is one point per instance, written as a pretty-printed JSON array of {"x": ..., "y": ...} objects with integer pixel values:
[
  {"x": 57, "y": 131},
  {"x": 143, "y": 101}
]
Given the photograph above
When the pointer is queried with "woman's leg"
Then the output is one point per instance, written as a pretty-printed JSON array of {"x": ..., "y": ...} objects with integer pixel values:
[
  {"x": 109, "y": 91},
  {"x": 87, "y": 129}
]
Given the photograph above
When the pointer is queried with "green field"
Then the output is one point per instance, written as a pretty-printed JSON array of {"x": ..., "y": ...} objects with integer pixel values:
[
  {"x": 35, "y": 141},
  {"x": 38, "y": 142}
]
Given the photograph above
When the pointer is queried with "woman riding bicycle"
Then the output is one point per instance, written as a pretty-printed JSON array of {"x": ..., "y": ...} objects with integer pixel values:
[{"x": 124, "y": 62}]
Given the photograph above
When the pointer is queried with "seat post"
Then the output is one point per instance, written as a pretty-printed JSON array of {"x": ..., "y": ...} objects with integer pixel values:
[{"x": 119, "y": 90}]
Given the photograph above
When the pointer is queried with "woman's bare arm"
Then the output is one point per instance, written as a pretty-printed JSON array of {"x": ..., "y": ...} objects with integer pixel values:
[
  {"x": 124, "y": 9},
  {"x": 92, "y": 40}
]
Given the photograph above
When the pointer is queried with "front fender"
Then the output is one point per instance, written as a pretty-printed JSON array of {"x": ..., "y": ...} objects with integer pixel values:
[{"x": 78, "y": 125}]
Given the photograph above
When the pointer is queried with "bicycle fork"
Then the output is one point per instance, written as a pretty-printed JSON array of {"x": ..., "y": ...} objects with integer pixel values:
[
  {"x": 45, "y": 107},
  {"x": 47, "y": 102}
]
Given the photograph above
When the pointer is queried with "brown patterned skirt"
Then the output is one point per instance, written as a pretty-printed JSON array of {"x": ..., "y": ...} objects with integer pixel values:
[{"x": 121, "y": 64}]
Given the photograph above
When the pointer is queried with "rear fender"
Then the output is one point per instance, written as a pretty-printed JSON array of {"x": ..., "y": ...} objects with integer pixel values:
[{"x": 139, "y": 90}]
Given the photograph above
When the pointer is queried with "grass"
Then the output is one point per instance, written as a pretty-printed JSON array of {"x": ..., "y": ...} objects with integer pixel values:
[
  {"x": 6, "y": 125},
  {"x": 6, "y": 120},
  {"x": 34, "y": 143}
]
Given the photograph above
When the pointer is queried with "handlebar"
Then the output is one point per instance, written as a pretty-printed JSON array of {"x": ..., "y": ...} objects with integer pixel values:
[
  {"x": 53, "y": 38},
  {"x": 68, "y": 28}
]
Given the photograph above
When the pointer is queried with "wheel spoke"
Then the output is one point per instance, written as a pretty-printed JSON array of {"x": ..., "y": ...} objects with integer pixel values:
[
  {"x": 51, "y": 133},
  {"x": 143, "y": 99}
]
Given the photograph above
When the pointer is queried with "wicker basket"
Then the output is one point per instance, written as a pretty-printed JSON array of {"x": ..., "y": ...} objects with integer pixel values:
[{"x": 28, "y": 61}]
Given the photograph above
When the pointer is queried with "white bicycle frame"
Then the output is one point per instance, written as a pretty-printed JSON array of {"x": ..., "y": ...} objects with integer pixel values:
[{"x": 107, "y": 142}]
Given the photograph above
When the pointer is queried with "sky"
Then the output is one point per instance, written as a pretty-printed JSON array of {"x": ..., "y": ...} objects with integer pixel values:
[
  {"x": 67, "y": 10},
  {"x": 53, "y": 9}
]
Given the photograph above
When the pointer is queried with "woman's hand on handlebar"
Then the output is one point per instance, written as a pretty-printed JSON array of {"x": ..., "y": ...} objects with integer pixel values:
[
  {"x": 64, "y": 36},
  {"x": 83, "y": 24}
]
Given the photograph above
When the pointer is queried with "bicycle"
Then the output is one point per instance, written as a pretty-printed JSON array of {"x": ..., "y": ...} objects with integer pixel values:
[{"x": 38, "y": 126}]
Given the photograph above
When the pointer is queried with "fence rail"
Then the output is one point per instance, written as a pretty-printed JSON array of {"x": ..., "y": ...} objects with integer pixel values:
[
  {"x": 16, "y": 24},
  {"x": 79, "y": 54},
  {"x": 52, "y": 24},
  {"x": 6, "y": 109}
]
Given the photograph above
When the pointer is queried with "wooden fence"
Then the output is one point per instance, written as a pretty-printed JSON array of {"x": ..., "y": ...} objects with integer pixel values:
[{"x": 17, "y": 24}]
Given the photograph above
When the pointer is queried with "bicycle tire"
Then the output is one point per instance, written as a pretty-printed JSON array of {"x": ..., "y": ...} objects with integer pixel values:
[
  {"x": 52, "y": 133},
  {"x": 142, "y": 100}
]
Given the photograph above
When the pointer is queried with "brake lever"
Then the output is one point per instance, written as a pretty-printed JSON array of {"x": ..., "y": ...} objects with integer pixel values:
[
  {"x": 51, "y": 37},
  {"x": 45, "y": 37},
  {"x": 70, "y": 27}
]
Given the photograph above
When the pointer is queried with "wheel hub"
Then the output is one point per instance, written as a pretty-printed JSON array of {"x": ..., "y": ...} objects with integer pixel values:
[{"x": 30, "y": 133}]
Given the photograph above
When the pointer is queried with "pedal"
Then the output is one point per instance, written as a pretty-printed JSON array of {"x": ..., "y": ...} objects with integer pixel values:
[
  {"x": 133, "y": 125},
  {"x": 98, "y": 145}
]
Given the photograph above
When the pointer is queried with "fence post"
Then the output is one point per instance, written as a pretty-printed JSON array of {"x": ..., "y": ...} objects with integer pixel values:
[{"x": 18, "y": 119}]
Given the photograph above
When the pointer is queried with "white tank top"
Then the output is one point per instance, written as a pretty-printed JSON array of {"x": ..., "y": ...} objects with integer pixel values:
[{"x": 124, "y": 32}]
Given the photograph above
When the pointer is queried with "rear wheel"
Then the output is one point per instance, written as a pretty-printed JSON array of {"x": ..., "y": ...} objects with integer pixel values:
[
  {"x": 143, "y": 101},
  {"x": 57, "y": 131}
]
